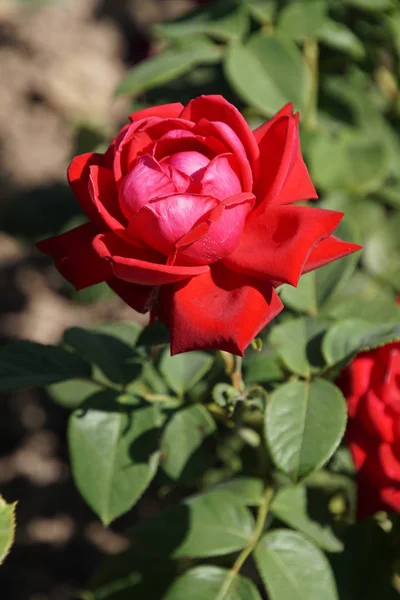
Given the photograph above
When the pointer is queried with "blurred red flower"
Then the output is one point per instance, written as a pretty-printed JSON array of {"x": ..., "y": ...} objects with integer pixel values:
[
  {"x": 371, "y": 385},
  {"x": 191, "y": 216}
]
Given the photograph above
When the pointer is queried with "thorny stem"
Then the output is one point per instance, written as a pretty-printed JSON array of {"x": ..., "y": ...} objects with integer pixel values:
[{"x": 257, "y": 533}]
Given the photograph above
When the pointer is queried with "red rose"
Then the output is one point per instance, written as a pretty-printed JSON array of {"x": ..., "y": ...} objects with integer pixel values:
[
  {"x": 371, "y": 385},
  {"x": 191, "y": 217}
]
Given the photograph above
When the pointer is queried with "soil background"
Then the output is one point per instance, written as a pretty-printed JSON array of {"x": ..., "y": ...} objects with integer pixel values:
[{"x": 60, "y": 62}]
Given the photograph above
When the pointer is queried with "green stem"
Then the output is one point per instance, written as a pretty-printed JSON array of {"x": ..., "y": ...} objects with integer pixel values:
[
  {"x": 311, "y": 55},
  {"x": 245, "y": 553},
  {"x": 237, "y": 376}
]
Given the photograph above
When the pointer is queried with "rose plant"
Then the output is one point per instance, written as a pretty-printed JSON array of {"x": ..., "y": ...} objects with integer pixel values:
[
  {"x": 192, "y": 217},
  {"x": 233, "y": 472}
]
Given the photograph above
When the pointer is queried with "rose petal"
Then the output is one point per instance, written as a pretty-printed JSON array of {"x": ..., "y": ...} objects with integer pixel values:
[
  {"x": 74, "y": 257},
  {"x": 139, "y": 297},
  {"x": 166, "y": 111},
  {"x": 181, "y": 181},
  {"x": 375, "y": 419},
  {"x": 219, "y": 178},
  {"x": 389, "y": 461},
  {"x": 217, "y": 310},
  {"x": 162, "y": 222},
  {"x": 138, "y": 265},
  {"x": 139, "y": 139},
  {"x": 221, "y": 236},
  {"x": 327, "y": 250},
  {"x": 78, "y": 178},
  {"x": 233, "y": 144},
  {"x": 104, "y": 196},
  {"x": 391, "y": 497},
  {"x": 283, "y": 176},
  {"x": 146, "y": 181},
  {"x": 358, "y": 375},
  {"x": 285, "y": 111},
  {"x": 188, "y": 162},
  {"x": 166, "y": 147},
  {"x": 360, "y": 443},
  {"x": 276, "y": 245},
  {"x": 216, "y": 108}
]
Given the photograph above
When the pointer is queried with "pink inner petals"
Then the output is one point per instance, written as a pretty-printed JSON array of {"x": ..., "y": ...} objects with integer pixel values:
[
  {"x": 218, "y": 235},
  {"x": 162, "y": 222},
  {"x": 188, "y": 162},
  {"x": 220, "y": 179},
  {"x": 145, "y": 182}
]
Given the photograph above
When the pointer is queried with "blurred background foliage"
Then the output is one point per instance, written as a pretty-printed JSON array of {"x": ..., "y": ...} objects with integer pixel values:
[{"x": 72, "y": 72}]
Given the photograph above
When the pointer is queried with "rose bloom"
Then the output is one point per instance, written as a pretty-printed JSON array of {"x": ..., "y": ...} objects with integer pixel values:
[
  {"x": 191, "y": 217},
  {"x": 371, "y": 385}
]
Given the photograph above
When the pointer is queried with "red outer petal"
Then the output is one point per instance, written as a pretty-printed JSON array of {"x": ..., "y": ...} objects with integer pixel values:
[
  {"x": 286, "y": 111},
  {"x": 327, "y": 250},
  {"x": 74, "y": 257},
  {"x": 139, "y": 297},
  {"x": 389, "y": 461},
  {"x": 391, "y": 497},
  {"x": 139, "y": 138},
  {"x": 104, "y": 196},
  {"x": 78, "y": 178},
  {"x": 218, "y": 310},
  {"x": 276, "y": 245},
  {"x": 283, "y": 174},
  {"x": 138, "y": 265},
  {"x": 166, "y": 111},
  {"x": 231, "y": 141},
  {"x": 216, "y": 108}
]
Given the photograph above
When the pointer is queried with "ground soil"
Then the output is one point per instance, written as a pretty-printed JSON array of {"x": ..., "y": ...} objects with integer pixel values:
[{"x": 60, "y": 62}]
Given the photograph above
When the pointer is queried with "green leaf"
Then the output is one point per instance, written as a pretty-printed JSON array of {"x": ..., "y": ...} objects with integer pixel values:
[
  {"x": 225, "y": 394},
  {"x": 345, "y": 339},
  {"x": 262, "y": 367},
  {"x": 183, "y": 371},
  {"x": 292, "y": 567},
  {"x": 183, "y": 455},
  {"x": 7, "y": 527},
  {"x": 372, "y": 5},
  {"x": 153, "y": 335},
  {"x": 114, "y": 451},
  {"x": 110, "y": 347},
  {"x": 262, "y": 11},
  {"x": 72, "y": 393},
  {"x": 27, "y": 364},
  {"x": 212, "y": 583},
  {"x": 301, "y": 298},
  {"x": 304, "y": 423},
  {"x": 338, "y": 36},
  {"x": 381, "y": 254},
  {"x": 350, "y": 160},
  {"x": 290, "y": 506},
  {"x": 210, "y": 524},
  {"x": 169, "y": 64},
  {"x": 223, "y": 20},
  {"x": 376, "y": 310},
  {"x": 298, "y": 344},
  {"x": 267, "y": 72},
  {"x": 301, "y": 20},
  {"x": 248, "y": 490},
  {"x": 333, "y": 276}
]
